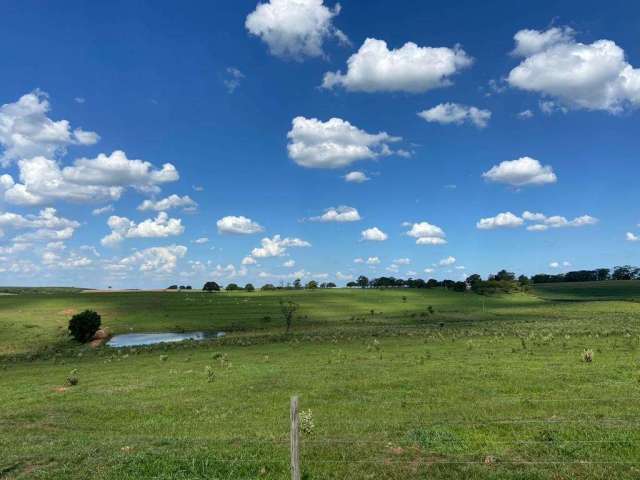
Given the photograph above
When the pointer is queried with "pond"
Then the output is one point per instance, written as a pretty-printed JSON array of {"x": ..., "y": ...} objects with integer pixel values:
[{"x": 137, "y": 339}]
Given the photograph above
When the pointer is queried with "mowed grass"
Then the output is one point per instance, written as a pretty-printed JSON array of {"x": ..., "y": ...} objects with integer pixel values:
[{"x": 483, "y": 388}]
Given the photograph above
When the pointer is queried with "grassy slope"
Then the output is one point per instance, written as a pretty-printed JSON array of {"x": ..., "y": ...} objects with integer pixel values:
[
  {"x": 609, "y": 290},
  {"x": 428, "y": 401}
]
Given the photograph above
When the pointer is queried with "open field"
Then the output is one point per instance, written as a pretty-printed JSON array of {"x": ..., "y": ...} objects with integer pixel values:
[
  {"x": 607, "y": 290},
  {"x": 482, "y": 388}
]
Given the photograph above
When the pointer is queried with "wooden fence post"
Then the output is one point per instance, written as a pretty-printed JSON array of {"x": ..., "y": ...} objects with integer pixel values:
[{"x": 295, "y": 440}]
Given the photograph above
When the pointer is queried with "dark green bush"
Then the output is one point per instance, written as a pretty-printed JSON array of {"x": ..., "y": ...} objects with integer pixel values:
[{"x": 83, "y": 326}]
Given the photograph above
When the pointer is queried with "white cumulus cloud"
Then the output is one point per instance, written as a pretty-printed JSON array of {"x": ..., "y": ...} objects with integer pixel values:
[
  {"x": 447, "y": 113},
  {"x": 540, "y": 221},
  {"x": 373, "y": 234},
  {"x": 339, "y": 214},
  {"x": 294, "y": 28},
  {"x": 277, "y": 246},
  {"x": 46, "y": 225},
  {"x": 410, "y": 68},
  {"x": 103, "y": 178},
  {"x": 238, "y": 225},
  {"x": 151, "y": 260},
  {"x": 502, "y": 220},
  {"x": 26, "y": 131},
  {"x": 593, "y": 76},
  {"x": 356, "y": 177},
  {"x": 334, "y": 143},
  {"x": 172, "y": 201},
  {"x": 122, "y": 227},
  {"x": 544, "y": 222},
  {"x": 427, "y": 234},
  {"x": 521, "y": 172}
]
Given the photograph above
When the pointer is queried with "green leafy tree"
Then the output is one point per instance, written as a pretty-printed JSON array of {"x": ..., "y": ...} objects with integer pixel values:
[
  {"x": 625, "y": 272},
  {"x": 362, "y": 281},
  {"x": 83, "y": 326},
  {"x": 475, "y": 278},
  {"x": 504, "y": 275},
  {"x": 231, "y": 287},
  {"x": 311, "y": 285},
  {"x": 249, "y": 287},
  {"x": 211, "y": 287}
]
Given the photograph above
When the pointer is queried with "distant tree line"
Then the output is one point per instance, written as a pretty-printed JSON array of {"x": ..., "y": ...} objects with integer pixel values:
[
  {"x": 393, "y": 282},
  {"x": 181, "y": 287},
  {"x": 296, "y": 285},
  {"x": 622, "y": 272},
  {"x": 502, "y": 281},
  {"x": 214, "y": 287}
]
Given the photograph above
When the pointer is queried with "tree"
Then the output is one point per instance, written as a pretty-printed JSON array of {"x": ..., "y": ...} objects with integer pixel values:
[
  {"x": 351, "y": 284},
  {"x": 211, "y": 287},
  {"x": 297, "y": 284},
  {"x": 362, "y": 281},
  {"x": 475, "y": 278},
  {"x": 172, "y": 287},
  {"x": 603, "y": 274},
  {"x": 432, "y": 283},
  {"x": 311, "y": 285},
  {"x": 504, "y": 275},
  {"x": 268, "y": 286},
  {"x": 330, "y": 285},
  {"x": 83, "y": 326},
  {"x": 232, "y": 286},
  {"x": 460, "y": 287},
  {"x": 249, "y": 287},
  {"x": 523, "y": 280},
  {"x": 188, "y": 287},
  {"x": 288, "y": 308},
  {"x": 625, "y": 272}
]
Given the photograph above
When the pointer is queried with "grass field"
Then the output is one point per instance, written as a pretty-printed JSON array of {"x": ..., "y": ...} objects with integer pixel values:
[{"x": 482, "y": 388}]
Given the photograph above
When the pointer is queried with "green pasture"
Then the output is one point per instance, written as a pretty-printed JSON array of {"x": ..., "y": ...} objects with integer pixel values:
[{"x": 475, "y": 387}]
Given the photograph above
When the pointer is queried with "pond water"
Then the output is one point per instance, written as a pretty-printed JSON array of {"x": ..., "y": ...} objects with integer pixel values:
[{"x": 137, "y": 339}]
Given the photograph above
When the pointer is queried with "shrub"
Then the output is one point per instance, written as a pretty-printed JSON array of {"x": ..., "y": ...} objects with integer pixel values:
[
  {"x": 72, "y": 379},
  {"x": 83, "y": 326}
]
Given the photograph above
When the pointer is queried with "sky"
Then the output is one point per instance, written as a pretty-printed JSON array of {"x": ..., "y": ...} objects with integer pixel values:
[{"x": 149, "y": 143}]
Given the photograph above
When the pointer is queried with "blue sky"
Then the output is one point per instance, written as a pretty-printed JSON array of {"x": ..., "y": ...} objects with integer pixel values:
[{"x": 522, "y": 109}]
